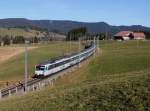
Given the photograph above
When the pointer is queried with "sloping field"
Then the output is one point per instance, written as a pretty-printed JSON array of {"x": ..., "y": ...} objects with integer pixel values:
[
  {"x": 116, "y": 80},
  {"x": 19, "y": 32},
  {"x": 7, "y": 53}
]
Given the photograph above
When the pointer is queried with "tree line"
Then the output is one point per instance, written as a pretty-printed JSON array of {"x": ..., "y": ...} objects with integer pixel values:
[
  {"x": 82, "y": 32},
  {"x": 7, "y": 40},
  {"x": 76, "y": 33}
]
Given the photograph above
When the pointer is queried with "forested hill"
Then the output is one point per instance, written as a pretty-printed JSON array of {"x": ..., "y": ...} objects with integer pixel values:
[{"x": 65, "y": 26}]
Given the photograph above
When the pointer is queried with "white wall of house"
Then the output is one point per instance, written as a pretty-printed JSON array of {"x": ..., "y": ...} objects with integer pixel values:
[
  {"x": 126, "y": 38},
  {"x": 139, "y": 38}
]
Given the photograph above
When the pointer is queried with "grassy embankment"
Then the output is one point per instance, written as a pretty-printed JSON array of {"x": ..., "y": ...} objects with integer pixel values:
[{"x": 118, "y": 79}]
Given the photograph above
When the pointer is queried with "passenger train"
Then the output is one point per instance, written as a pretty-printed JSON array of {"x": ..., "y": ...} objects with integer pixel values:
[{"x": 53, "y": 66}]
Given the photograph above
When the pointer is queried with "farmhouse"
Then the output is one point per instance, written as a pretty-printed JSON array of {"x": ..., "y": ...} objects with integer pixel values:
[
  {"x": 129, "y": 35},
  {"x": 139, "y": 36},
  {"x": 124, "y": 35}
]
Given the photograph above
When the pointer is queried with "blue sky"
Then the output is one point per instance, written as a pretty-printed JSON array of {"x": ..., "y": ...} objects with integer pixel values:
[{"x": 114, "y": 12}]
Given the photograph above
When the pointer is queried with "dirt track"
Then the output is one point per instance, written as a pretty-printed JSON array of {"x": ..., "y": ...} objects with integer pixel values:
[{"x": 8, "y": 52}]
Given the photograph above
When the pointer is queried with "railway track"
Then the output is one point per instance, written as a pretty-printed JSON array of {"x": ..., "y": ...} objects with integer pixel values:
[
  {"x": 31, "y": 85},
  {"x": 16, "y": 88}
]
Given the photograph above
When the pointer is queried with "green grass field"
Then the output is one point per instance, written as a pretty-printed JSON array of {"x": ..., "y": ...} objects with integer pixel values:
[{"x": 118, "y": 79}]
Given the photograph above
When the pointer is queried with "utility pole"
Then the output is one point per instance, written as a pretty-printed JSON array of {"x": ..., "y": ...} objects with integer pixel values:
[
  {"x": 70, "y": 42},
  {"x": 79, "y": 52},
  {"x": 26, "y": 66},
  {"x": 106, "y": 35},
  {"x": 94, "y": 50},
  {"x": 98, "y": 44},
  {"x": 137, "y": 43}
]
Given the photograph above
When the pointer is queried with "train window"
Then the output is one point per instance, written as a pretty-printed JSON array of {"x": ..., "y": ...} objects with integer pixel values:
[
  {"x": 56, "y": 65},
  {"x": 51, "y": 67},
  {"x": 75, "y": 57},
  {"x": 67, "y": 60},
  {"x": 40, "y": 68},
  {"x": 61, "y": 63}
]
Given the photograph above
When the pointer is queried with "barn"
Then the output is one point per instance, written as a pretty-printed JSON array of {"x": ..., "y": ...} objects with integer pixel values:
[
  {"x": 129, "y": 35},
  {"x": 124, "y": 35},
  {"x": 139, "y": 36}
]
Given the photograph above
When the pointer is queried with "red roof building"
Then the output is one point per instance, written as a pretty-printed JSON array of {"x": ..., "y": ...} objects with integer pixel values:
[
  {"x": 124, "y": 35},
  {"x": 139, "y": 36},
  {"x": 129, "y": 35}
]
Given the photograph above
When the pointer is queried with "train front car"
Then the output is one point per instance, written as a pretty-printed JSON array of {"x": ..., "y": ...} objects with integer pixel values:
[{"x": 39, "y": 71}]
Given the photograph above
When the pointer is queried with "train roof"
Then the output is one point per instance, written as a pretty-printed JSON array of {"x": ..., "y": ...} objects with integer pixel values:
[{"x": 53, "y": 60}]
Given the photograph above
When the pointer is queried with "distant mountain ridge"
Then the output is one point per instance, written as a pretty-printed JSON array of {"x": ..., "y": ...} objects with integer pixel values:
[{"x": 66, "y": 25}]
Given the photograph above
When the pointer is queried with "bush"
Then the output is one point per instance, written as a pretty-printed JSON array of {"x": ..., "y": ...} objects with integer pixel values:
[
  {"x": 122, "y": 97},
  {"x": 18, "y": 40},
  {"x": 6, "y": 40}
]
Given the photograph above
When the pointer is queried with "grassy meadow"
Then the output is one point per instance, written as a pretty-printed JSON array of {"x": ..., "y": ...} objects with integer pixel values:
[{"x": 117, "y": 79}]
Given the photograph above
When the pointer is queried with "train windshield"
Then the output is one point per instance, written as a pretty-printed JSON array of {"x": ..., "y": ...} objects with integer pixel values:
[{"x": 40, "y": 68}]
